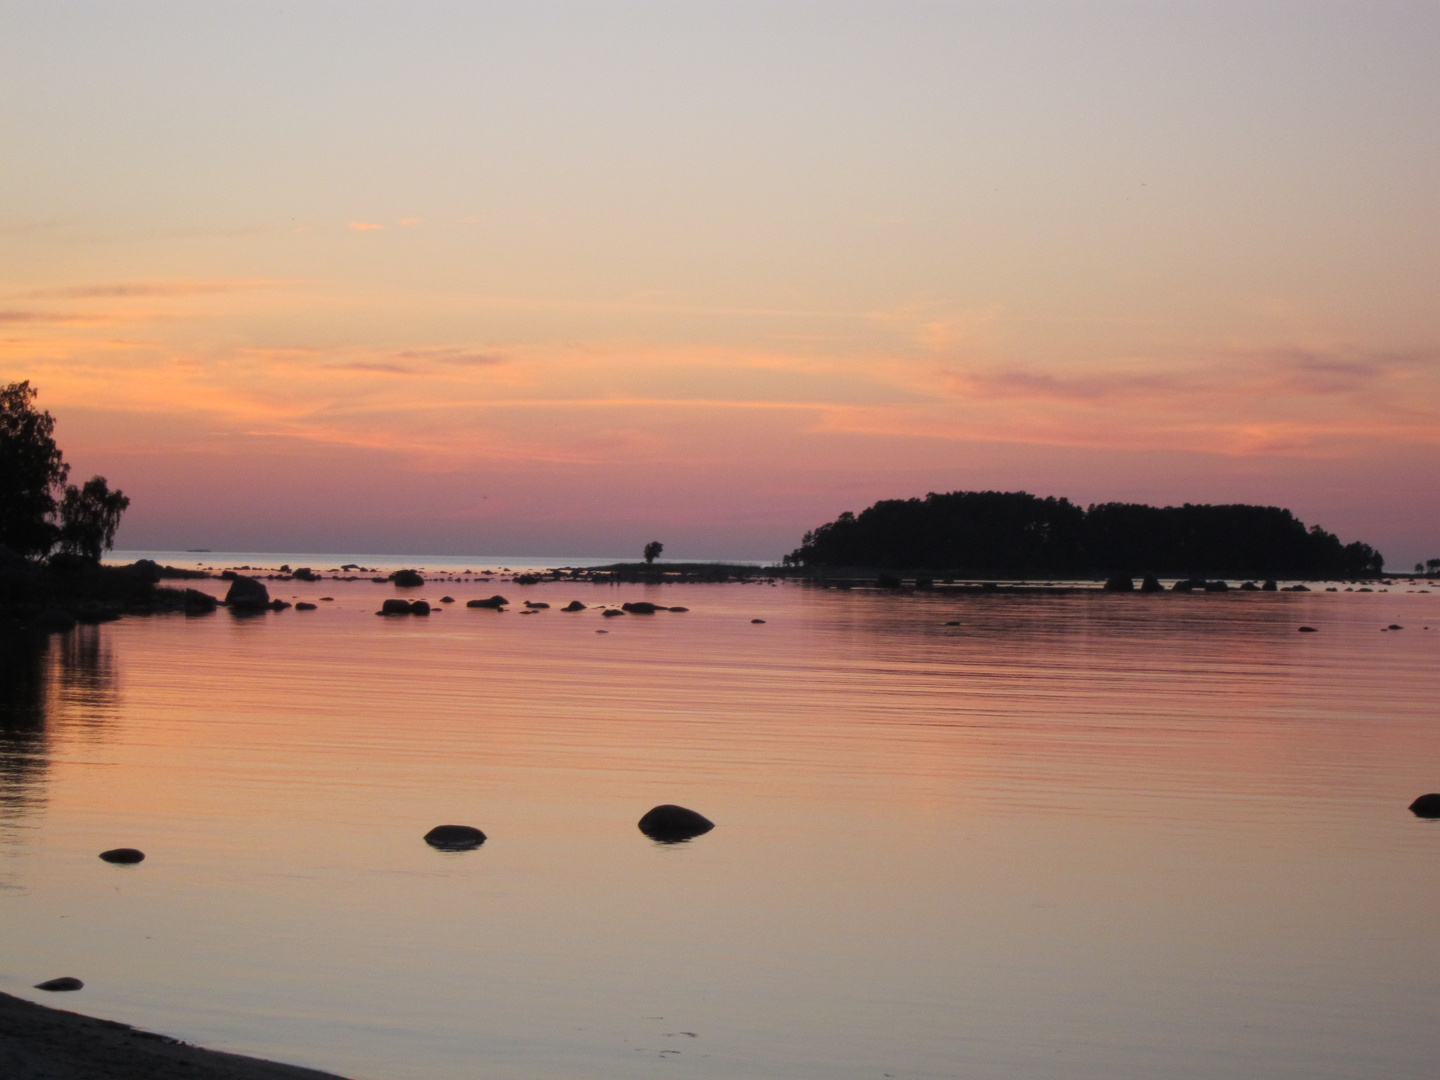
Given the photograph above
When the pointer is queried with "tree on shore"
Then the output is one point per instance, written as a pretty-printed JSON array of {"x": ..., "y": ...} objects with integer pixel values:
[
  {"x": 652, "y": 550},
  {"x": 37, "y": 509}
]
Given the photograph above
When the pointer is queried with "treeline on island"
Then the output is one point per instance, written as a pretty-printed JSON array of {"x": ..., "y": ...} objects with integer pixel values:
[{"x": 1013, "y": 534}]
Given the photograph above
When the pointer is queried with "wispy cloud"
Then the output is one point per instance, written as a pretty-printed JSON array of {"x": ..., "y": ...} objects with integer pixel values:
[{"x": 365, "y": 226}]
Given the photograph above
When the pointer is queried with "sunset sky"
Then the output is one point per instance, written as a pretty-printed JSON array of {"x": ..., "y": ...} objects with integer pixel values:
[{"x": 563, "y": 278}]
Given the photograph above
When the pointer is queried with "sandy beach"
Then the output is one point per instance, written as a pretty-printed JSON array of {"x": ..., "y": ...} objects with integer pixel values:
[{"x": 40, "y": 1043}]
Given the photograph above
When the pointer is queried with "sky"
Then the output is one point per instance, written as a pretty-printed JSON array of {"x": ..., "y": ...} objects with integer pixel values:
[{"x": 559, "y": 279}]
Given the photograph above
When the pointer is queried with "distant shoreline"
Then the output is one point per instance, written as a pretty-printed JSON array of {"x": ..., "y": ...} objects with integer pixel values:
[{"x": 42, "y": 1043}]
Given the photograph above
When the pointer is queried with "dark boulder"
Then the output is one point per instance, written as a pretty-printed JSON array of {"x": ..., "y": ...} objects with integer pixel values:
[
  {"x": 640, "y": 607},
  {"x": 1186, "y": 585},
  {"x": 1269, "y": 586},
  {"x": 419, "y": 607},
  {"x": 455, "y": 837},
  {"x": 306, "y": 574},
  {"x": 447, "y": 599},
  {"x": 679, "y": 609},
  {"x": 573, "y": 605},
  {"x": 1302, "y": 588},
  {"x": 671, "y": 824},
  {"x": 610, "y": 613},
  {"x": 1249, "y": 586},
  {"x": 199, "y": 603},
  {"x": 1308, "y": 630},
  {"x": 757, "y": 620},
  {"x": 1426, "y": 806},
  {"x": 303, "y": 606},
  {"x": 247, "y": 594},
  {"x": 536, "y": 604},
  {"x": 1216, "y": 586},
  {"x": 407, "y": 579},
  {"x": 496, "y": 602},
  {"x": 1395, "y": 626},
  {"x": 279, "y": 605},
  {"x": 887, "y": 581},
  {"x": 123, "y": 855},
  {"x": 922, "y": 583},
  {"x": 395, "y": 606},
  {"x": 1151, "y": 584},
  {"x": 1120, "y": 583},
  {"x": 65, "y": 983}
]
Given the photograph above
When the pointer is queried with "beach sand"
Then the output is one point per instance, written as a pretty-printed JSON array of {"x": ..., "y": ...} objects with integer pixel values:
[{"x": 39, "y": 1043}]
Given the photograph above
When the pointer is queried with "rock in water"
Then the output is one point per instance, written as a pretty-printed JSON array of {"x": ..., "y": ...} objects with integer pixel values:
[
  {"x": 1120, "y": 583},
  {"x": 303, "y": 606},
  {"x": 671, "y": 824},
  {"x": 1426, "y": 806},
  {"x": 123, "y": 855},
  {"x": 1151, "y": 584},
  {"x": 1308, "y": 630},
  {"x": 454, "y": 837},
  {"x": 65, "y": 983},
  {"x": 419, "y": 607},
  {"x": 247, "y": 594},
  {"x": 395, "y": 606},
  {"x": 407, "y": 579},
  {"x": 494, "y": 602},
  {"x": 640, "y": 607},
  {"x": 198, "y": 603},
  {"x": 574, "y": 605}
]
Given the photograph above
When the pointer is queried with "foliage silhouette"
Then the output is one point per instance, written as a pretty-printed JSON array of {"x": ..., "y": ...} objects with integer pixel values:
[
  {"x": 652, "y": 550},
  {"x": 1016, "y": 534}
]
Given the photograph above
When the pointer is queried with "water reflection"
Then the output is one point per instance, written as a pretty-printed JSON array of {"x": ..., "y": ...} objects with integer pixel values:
[
  {"x": 41, "y": 678},
  {"x": 24, "y": 671}
]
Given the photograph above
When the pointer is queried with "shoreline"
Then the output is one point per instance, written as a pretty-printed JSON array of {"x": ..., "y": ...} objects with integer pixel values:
[{"x": 38, "y": 1042}]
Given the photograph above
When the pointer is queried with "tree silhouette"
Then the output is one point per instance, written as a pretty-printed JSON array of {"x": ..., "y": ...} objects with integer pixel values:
[
  {"x": 32, "y": 471},
  {"x": 652, "y": 550},
  {"x": 33, "y": 494},
  {"x": 89, "y": 516}
]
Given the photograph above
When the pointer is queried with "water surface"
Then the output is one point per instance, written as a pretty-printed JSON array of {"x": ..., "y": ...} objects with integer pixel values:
[{"x": 1072, "y": 836}]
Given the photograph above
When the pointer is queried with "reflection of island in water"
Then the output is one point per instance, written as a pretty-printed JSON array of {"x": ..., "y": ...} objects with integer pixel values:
[{"x": 39, "y": 677}]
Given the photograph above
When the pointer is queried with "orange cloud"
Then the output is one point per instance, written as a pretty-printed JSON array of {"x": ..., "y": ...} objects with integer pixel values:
[{"x": 365, "y": 226}]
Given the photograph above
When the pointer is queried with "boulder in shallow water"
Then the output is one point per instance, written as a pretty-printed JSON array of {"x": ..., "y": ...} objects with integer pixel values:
[
  {"x": 1269, "y": 586},
  {"x": 610, "y": 613},
  {"x": 447, "y": 599},
  {"x": 455, "y": 837},
  {"x": 65, "y": 983},
  {"x": 573, "y": 605},
  {"x": 1426, "y": 806},
  {"x": 199, "y": 603},
  {"x": 247, "y": 594},
  {"x": 1308, "y": 630},
  {"x": 407, "y": 579},
  {"x": 495, "y": 602},
  {"x": 125, "y": 856},
  {"x": 395, "y": 606},
  {"x": 1120, "y": 583},
  {"x": 1151, "y": 584},
  {"x": 671, "y": 824},
  {"x": 640, "y": 607},
  {"x": 419, "y": 607},
  {"x": 303, "y": 606},
  {"x": 679, "y": 609}
]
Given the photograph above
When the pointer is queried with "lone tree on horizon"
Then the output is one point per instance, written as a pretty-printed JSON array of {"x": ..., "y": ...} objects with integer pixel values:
[
  {"x": 37, "y": 509},
  {"x": 652, "y": 550}
]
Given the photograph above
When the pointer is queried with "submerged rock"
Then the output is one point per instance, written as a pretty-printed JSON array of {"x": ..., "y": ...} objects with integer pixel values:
[
  {"x": 640, "y": 607},
  {"x": 66, "y": 982},
  {"x": 1426, "y": 806},
  {"x": 455, "y": 837},
  {"x": 1308, "y": 630},
  {"x": 573, "y": 605},
  {"x": 536, "y": 604},
  {"x": 611, "y": 612},
  {"x": 123, "y": 855},
  {"x": 757, "y": 620},
  {"x": 303, "y": 606},
  {"x": 671, "y": 824},
  {"x": 495, "y": 602},
  {"x": 247, "y": 594},
  {"x": 679, "y": 609}
]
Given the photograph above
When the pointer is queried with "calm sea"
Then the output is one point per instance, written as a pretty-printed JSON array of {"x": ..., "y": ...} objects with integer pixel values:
[{"x": 1051, "y": 837}]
